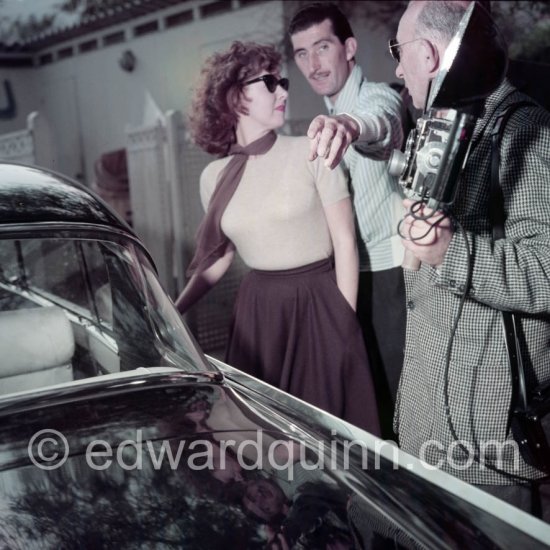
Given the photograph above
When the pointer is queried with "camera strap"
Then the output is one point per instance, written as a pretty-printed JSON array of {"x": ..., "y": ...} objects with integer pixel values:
[{"x": 497, "y": 217}]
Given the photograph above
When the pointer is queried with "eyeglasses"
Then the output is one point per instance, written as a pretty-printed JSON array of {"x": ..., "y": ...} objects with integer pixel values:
[
  {"x": 271, "y": 82},
  {"x": 395, "y": 50}
]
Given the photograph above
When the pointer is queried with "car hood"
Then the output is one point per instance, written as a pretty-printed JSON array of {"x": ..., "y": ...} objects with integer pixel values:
[{"x": 134, "y": 461}]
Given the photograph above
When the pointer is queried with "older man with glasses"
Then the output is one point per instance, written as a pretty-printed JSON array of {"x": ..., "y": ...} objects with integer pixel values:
[{"x": 454, "y": 403}]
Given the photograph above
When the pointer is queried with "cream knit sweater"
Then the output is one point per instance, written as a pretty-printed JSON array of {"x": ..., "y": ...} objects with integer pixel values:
[{"x": 276, "y": 219}]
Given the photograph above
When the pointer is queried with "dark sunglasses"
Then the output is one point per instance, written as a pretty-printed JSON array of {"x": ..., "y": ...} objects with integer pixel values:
[
  {"x": 395, "y": 47},
  {"x": 271, "y": 82}
]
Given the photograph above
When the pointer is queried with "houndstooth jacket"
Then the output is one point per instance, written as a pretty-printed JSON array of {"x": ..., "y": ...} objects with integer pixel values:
[{"x": 512, "y": 274}]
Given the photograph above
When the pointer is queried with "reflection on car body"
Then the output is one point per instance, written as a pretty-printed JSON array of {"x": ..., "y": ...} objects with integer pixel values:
[{"x": 117, "y": 432}]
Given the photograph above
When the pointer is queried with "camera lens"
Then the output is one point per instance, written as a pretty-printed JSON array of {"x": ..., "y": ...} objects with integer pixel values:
[{"x": 397, "y": 163}]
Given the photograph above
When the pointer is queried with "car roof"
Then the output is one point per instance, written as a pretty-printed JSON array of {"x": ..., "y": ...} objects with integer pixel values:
[{"x": 30, "y": 194}]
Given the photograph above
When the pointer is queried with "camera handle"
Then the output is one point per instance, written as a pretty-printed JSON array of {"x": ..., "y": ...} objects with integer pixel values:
[{"x": 410, "y": 261}]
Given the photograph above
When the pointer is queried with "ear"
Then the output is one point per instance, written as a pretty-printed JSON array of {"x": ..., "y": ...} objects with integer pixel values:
[
  {"x": 350, "y": 46},
  {"x": 431, "y": 57}
]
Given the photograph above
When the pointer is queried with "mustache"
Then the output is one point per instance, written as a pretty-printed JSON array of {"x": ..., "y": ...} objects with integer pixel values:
[{"x": 316, "y": 74}]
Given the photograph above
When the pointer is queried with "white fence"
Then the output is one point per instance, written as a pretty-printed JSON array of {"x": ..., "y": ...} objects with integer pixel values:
[{"x": 34, "y": 145}]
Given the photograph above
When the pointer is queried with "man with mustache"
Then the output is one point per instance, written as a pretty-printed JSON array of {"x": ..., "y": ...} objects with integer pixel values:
[{"x": 368, "y": 116}]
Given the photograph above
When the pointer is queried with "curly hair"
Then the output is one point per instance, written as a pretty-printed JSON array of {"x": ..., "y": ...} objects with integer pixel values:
[{"x": 218, "y": 98}]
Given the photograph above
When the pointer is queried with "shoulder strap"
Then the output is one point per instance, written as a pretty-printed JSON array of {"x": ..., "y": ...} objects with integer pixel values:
[{"x": 497, "y": 217}]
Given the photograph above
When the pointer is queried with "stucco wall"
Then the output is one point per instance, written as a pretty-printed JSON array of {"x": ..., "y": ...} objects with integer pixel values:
[{"x": 90, "y": 101}]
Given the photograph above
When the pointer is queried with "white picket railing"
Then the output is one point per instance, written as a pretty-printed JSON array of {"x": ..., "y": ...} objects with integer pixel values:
[
  {"x": 164, "y": 170},
  {"x": 35, "y": 145}
]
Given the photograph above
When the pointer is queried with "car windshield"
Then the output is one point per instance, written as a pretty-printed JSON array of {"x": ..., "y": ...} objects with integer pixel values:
[{"x": 73, "y": 308}]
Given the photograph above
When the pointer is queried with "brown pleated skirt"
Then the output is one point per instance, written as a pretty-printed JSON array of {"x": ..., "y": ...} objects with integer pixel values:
[{"x": 295, "y": 330}]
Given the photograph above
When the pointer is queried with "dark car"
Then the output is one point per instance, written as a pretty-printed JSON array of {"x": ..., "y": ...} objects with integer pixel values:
[{"x": 117, "y": 432}]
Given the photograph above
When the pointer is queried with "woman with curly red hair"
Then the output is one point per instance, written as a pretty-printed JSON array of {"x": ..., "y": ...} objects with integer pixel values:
[{"x": 291, "y": 221}]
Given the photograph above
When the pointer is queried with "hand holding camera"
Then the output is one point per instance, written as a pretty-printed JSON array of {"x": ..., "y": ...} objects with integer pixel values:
[{"x": 426, "y": 233}]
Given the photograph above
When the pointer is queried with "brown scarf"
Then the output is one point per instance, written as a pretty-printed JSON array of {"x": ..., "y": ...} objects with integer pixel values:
[{"x": 211, "y": 242}]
